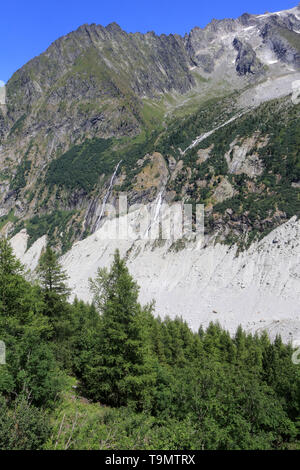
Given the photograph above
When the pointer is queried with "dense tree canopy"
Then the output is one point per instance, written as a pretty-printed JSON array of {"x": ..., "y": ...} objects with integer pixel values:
[{"x": 160, "y": 385}]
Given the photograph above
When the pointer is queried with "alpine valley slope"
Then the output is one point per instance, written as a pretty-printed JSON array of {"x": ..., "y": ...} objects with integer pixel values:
[
  {"x": 258, "y": 288},
  {"x": 210, "y": 118}
]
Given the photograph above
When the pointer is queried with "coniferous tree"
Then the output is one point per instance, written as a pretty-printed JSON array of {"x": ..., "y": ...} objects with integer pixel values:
[
  {"x": 53, "y": 278},
  {"x": 30, "y": 368},
  {"x": 12, "y": 283},
  {"x": 55, "y": 293},
  {"x": 119, "y": 371}
]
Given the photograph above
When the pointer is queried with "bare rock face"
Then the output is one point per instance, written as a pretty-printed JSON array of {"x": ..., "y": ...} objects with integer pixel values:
[
  {"x": 246, "y": 61},
  {"x": 223, "y": 191},
  {"x": 103, "y": 87},
  {"x": 242, "y": 160},
  {"x": 283, "y": 42},
  {"x": 153, "y": 175}
]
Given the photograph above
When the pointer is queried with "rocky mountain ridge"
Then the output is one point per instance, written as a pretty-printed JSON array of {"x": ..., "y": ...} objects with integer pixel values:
[
  {"x": 101, "y": 82},
  {"x": 209, "y": 118}
]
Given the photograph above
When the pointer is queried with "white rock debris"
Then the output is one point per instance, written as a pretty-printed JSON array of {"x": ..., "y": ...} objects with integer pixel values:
[
  {"x": 258, "y": 288},
  {"x": 30, "y": 256}
]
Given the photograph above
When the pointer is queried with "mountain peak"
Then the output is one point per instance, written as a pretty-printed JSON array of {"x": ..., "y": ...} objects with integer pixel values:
[{"x": 114, "y": 27}]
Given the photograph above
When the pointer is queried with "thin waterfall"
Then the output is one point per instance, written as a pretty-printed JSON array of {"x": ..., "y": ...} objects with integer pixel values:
[
  {"x": 157, "y": 207},
  {"x": 107, "y": 195},
  {"x": 158, "y": 203}
]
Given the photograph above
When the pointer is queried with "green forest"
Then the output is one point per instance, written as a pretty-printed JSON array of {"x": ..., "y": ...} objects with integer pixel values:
[{"x": 112, "y": 375}]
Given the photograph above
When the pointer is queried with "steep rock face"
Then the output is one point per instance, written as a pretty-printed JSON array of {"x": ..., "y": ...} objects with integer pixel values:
[
  {"x": 254, "y": 37},
  {"x": 97, "y": 63},
  {"x": 254, "y": 151},
  {"x": 284, "y": 42},
  {"x": 246, "y": 61},
  {"x": 241, "y": 160},
  {"x": 94, "y": 64},
  {"x": 99, "y": 95}
]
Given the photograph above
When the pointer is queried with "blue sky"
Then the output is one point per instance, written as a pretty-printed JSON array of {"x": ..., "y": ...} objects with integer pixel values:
[{"x": 28, "y": 27}]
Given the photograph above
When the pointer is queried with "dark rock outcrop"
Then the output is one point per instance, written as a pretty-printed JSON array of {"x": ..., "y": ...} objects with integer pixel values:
[
  {"x": 279, "y": 35},
  {"x": 246, "y": 61}
]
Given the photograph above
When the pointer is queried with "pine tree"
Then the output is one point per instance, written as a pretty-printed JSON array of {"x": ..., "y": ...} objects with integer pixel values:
[
  {"x": 120, "y": 371},
  {"x": 240, "y": 343},
  {"x": 51, "y": 274},
  {"x": 54, "y": 288},
  {"x": 12, "y": 283},
  {"x": 55, "y": 293}
]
